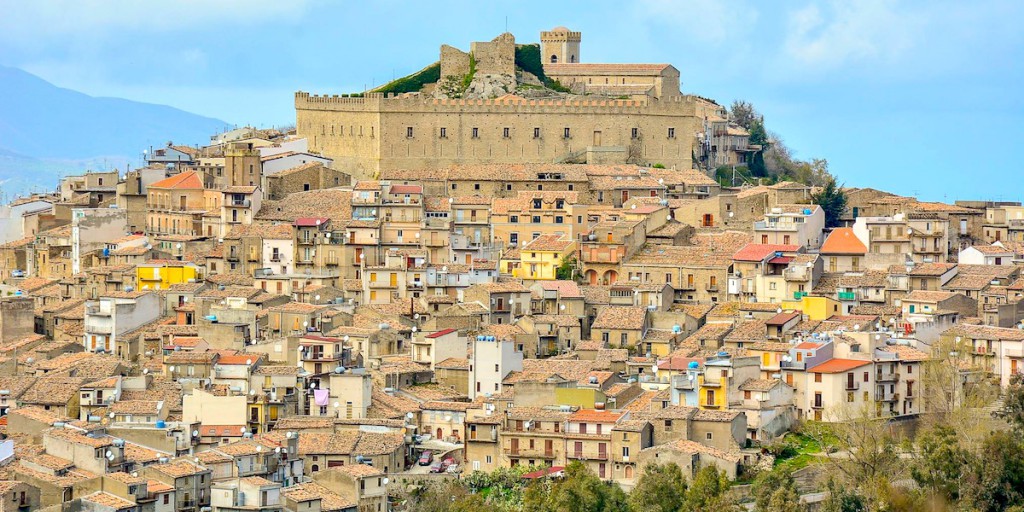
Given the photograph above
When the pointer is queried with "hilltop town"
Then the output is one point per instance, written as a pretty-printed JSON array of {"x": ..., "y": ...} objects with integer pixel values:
[{"x": 512, "y": 260}]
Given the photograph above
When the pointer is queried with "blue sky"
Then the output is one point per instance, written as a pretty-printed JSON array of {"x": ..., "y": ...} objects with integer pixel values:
[{"x": 914, "y": 97}]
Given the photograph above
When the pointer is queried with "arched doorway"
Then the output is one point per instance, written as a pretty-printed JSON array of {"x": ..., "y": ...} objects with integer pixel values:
[
  {"x": 610, "y": 277},
  {"x": 629, "y": 472},
  {"x": 554, "y": 59},
  {"x": 591, "y": 276},
  {"x": 440, "y": 433}
]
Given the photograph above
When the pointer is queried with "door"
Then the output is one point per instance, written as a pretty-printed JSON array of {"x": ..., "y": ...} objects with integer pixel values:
[
  {"x": 469, "y": 259},
  {"x": 625, "y": 196},
  {"x": 578, "y": 449},
  {"x": 597, "y": 138},
  {"x": 548, "y": 448},
  {"x": 514, "y": 447},
  {"x": 440, "y": 433},
  {"x": 394, "y": 279}
]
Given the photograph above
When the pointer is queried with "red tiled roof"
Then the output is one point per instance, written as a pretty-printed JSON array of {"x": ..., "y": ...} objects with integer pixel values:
[
  {"x": 438, "y": 334},
  {"x": 838, "y": 365},
  {"x": 595, "y": 416},
  {"x": 406, "y": 189},
  {"x": 305, "y": 222},
  {"x": 189, "y": 179},
  {"x": 843, "y": 241},
  {"x": 783, "y": 318},
  {"x": 758, "y": 252}
]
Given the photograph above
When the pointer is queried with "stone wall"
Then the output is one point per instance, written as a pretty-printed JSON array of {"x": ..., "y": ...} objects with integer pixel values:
[
  {"x": 497, "y": 57},
  {"x": 366, "y": 135},
  {"x": 454, "y": 62}
]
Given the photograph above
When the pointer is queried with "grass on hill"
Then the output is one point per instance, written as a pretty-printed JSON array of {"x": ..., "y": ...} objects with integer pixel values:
[{"x": 413, "y": 82}]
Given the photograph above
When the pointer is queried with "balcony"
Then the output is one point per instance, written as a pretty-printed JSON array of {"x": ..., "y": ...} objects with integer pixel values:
[
  {"x": 852, "y": 385},
  {"x": 882, "y": 396},
  {"x": 711, "y": 287},
  {"x": 847, "y": 295},
  {"x": 233, "y": 257},
  {"x": 530, "y": 453},
  {"x": 984, "y": 351},
  {"x": 817, "y": 405},
  {"x": 799, "y": 295},
  {"x": 275, "y": 258},
  {"x": 240, "y": 203},
  {"x": 103, "y": 328},
  {"x": 800, "y": 273},
  {"x": 587, "y": 455},
  {"x": 256, "y": 469},
  {"x": 887, "y": 377}
]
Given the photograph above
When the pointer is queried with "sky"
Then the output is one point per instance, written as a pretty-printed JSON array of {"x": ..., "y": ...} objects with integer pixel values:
[{"x": 915, "y": 97}]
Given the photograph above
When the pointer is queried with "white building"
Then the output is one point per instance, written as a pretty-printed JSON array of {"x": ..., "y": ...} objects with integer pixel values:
[
  {"x": 492, "y": 361},
  {"x": 994, "y": 254},
  {"x": 798, "y": 224},
  {"x": 92, "y": 229},
  {"x": 279, "y": 254},
  {"x": 116, "y": 313}
]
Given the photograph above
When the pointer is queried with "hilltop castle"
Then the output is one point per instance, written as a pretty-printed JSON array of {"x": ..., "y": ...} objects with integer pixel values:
[{"x": 593, "y": 113}]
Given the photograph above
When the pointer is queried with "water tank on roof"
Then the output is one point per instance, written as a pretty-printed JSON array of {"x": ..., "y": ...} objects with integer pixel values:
[
  {"x": 677, "y": 328},
  {"x": 106, "y": 252},
  {"x": 693, "y": 365},
  {"x": 807, "y": 211},
  {"x": 723, "y": 354},
  {"x": 161, "y": 424}
]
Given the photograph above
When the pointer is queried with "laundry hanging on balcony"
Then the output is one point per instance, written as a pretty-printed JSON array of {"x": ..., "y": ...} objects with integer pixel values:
[{"x": 321, "y": 396}]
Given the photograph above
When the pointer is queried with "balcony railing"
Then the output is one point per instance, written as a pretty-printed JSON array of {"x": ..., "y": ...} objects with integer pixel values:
[
  {"x": 852, "y": 385},
  {"x": 530, "y": 452},
  {"x": 588, "y": 455},
  {"x": 847, "y": 295},
  {"x": 887, "y": 376}
]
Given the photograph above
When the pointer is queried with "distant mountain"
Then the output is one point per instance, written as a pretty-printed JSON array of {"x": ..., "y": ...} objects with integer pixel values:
[{"x": 47, "y": 131}]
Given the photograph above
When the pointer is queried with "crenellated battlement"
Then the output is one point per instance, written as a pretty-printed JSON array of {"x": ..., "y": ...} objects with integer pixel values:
[{"x": 391, "y": 102}]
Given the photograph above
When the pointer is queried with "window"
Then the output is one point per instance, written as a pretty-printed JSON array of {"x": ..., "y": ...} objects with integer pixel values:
[
  {"x": 513, "y": 219},
  {"x": 817, "y": 377},
  {"x": 476, "y": 186},
  {"x": 476, "y": 133},
  {"x": 558, "y": 219},
  {"x": 537, "y": 203},
  {"x": 668, "y": 425},
  {"x": 565, "y": 133},
  {"x": 635, "y": 133},
  {"x": 536, "y": 133},
  {"x": 508, "y": 186},
  {"x": 623, "y": 338},
  {"x": 671, "y": 133},
  {"x": 536, "y": 220},
  {"x": 709, "y": 435},
  {"x": 408, "y": 132},
  {"x": 505, "y": 132},
  {"x": 444, "y": 133}
]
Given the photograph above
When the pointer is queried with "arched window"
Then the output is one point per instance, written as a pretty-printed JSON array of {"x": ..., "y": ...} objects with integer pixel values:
[
  {"x": 554, "y": 59},
  {"x": 629, "y": 472},
  {"x": 572, "y": 58},
  {"x": 315, "y": 468}
]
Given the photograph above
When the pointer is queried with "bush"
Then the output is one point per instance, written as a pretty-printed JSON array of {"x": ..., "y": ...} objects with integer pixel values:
[
  {"x": 528, "y": 59},
  {"x": 413, "y": 82}
]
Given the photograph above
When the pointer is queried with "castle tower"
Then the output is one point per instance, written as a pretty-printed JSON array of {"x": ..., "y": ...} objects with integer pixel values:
[
  {"x": 242, "y": 165},
  {"x": 560, "y": 46}
]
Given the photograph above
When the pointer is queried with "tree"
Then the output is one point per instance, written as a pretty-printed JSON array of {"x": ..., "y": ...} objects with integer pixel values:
[
  {"x": 775, "y": 491},
  {"x": 997, "y": 482},
  {"x": 862, "y": 452},
  {"x": 832, "y": 200},
  {"x": 566, "y": 268},
  {"x": 942, "y": 463},
  {"x": 709, "y": 492},
  {"x": 1013, "y": 404},
  {"x": 839, "y": 498},
  {"x": 661, "y": 488},
  {"x": 743, "y": 113},
  {"x": 580, "y": 490}
]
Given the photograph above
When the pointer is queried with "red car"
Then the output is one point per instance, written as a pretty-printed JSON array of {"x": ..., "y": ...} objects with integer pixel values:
[{"x": 426, "y": 458}]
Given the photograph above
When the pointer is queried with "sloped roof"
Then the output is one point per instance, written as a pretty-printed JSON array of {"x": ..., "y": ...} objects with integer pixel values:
[
  {"x": 185, "y": 180},
  {"x": 843, "y": 241}
]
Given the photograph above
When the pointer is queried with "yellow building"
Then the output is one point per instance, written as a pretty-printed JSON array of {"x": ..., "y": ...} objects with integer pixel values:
[
  {"x": 541, "y": 257},
  {"x": 814, "y": 308},
  {"x": 161, "y": 275}
]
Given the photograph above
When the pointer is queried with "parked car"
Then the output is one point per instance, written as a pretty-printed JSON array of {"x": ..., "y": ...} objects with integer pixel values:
[
  {"x": 447, "y": 463},
  {"x": 437, "y": 467},
  {"x": 426, "y": 458},
  {"x": 17, "y": 273}
]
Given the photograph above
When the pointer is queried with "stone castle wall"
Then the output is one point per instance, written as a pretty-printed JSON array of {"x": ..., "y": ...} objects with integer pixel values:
[
  {"x": 366, "y": 135},
  {"x": 497, "y": 57},
  {"x": 454, "y": 62}
]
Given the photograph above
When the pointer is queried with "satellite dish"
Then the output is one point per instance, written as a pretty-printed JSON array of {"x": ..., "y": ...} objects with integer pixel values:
[
  {"x": 414, "y": 328},
  {"x": 111, "y": 415},
  {"x": 344, "y": 338},
  {"x": 145, "y": 371},
  {"x": 654, "y": 368},
  {"x": 248, "y": 361},
  {"x": 170, "y": 368},
  {"x": 409, "y": 415},
  {"x": 337, "y": 404},
  {"x": 108, "y": 454},
  {"x": 316, "y": 297},
  {"x": 385, "y": 481},
  {"x": 856, "y": 327},
  {"x": 277, "y": 450},
  {"x": 242, "y": 430},
  {"x": 252, "y": 392},
  {"x": 259, "y": 448},
  {"x": 312, "y": 385},
  {"x": 195, "y": 433},
  {"x": 135, "y": 474}
]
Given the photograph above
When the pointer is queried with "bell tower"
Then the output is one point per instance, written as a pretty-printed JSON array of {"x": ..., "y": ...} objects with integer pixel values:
[{"x": 560, "y": 46}]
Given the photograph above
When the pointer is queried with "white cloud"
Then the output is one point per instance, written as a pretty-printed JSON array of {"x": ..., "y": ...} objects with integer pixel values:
[
  {"x": 709, "y": 21},
  {"x": 33, "y": 23},
  {"x": 844, "y": 33}
]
